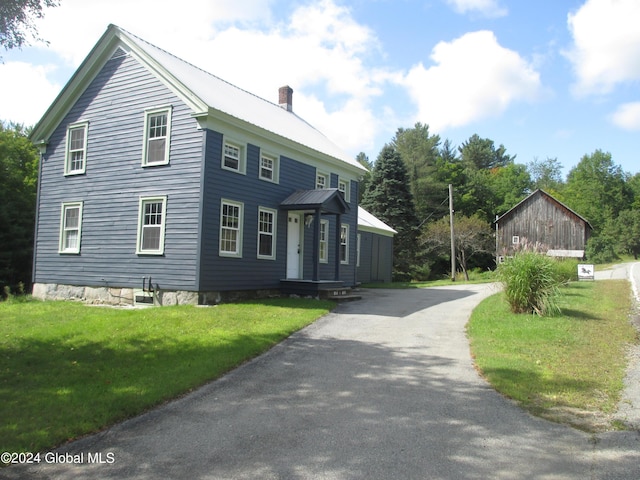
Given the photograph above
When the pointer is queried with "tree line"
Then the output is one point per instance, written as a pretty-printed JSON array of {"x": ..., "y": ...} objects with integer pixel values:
[{"x": 407, "y": 187}]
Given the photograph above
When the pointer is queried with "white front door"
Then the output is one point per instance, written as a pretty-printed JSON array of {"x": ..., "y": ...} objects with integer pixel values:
[{"x": 294, "y": 246}]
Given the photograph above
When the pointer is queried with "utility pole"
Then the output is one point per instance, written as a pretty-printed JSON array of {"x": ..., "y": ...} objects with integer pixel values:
[{"x": 453, "y": 245}]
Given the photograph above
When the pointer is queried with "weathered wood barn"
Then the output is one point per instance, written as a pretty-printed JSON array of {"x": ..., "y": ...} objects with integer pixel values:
[{"x": 542, "y": 223}]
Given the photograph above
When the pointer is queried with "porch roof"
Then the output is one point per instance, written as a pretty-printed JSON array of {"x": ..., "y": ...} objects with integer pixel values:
[{"x": 327, "y": 200}]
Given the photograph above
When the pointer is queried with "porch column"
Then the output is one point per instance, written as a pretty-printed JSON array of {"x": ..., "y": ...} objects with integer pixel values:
[
  {"x": 338, "y": 242},
  {"x": 316, "y": 245}
]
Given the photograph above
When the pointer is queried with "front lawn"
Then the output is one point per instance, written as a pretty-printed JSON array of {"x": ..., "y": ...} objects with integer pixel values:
[
  {"x": 67, "y": 369},
  {"x": 568, "y": 368}
]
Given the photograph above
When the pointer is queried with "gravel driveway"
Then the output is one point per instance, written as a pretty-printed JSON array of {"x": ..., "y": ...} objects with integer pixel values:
[{"x": 381, "y": 388}]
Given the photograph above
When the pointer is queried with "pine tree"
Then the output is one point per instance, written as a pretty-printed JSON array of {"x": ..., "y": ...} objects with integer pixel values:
[{"x": 389, "y": 198}]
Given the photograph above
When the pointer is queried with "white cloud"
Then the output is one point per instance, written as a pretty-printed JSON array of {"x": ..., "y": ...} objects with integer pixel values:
[
  {"x": 73, "y": 27},
  {"x": 487, "y": 8},
  {"x": 18, "y": 77},
  {"x": 319, "y": 50},
  {"x": 473, "y": 78},
  {"x": 606, "y": 48},
  {"x": 627, "y": 116}
]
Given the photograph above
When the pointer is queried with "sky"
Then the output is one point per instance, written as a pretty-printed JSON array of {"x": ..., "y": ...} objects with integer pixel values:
[{"x": 546, "y": 79}]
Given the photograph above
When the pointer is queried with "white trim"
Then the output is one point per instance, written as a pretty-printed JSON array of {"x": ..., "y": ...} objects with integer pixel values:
[
  {"x": 325, "y": 243},
  {"x": 347, "y": 189},
  {"x": 275, "y": 168},
  {"x": 327, "y": 180},
  {"x": 67, "y": 156},
  {"x": 237, "y": 253},
  {"x": 241, "y": 158},
  {"x": 150, "y": 112},
  {"x": 64, "y": 229},
  {"x": 141, "y": 227},
  {"x": 273, "y": 233},
  {"x": 346, "y": 244}
]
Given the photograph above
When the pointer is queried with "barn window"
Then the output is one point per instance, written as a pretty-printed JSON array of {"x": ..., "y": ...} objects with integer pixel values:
[{"x": 515, "y": 239}]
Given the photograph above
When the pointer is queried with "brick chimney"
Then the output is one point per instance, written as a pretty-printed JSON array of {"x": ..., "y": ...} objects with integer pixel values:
[{"x": 285, "y": 98}]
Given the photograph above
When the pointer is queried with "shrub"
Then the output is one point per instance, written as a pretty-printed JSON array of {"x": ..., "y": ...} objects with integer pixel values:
[
  {"x": 567, "y": 271},
  {"x": 530, "y": 283}
]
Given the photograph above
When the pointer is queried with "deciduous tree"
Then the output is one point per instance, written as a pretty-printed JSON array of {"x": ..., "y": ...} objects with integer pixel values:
[{"x": 18, "y": 176}]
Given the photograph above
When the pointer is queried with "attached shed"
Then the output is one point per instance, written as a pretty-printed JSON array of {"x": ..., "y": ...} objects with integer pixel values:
[
  {"x": 545, "y": 224},
  {"x": 375, "y": 249}
]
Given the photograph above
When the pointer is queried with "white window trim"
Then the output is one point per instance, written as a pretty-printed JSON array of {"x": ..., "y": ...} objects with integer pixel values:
[
  {"x": 67, "y": 157},
  {"x": 63, "y": 229},
  {"x": 242, "y": 161},
  {"x": 347, "y": 189},
  {"x": 273, "y": 234},
  {"x": 324, "y": 245},
  {"x": 145, "y": 145},
  {"x": 326, "y": 178},
  {"x": 346, "y": 243},
  {"x": 275, "y": 170},
  {"x": 141, "y": 204},
  {"x": 238, "y": 252},
  {"x": 515, "y": 239}
]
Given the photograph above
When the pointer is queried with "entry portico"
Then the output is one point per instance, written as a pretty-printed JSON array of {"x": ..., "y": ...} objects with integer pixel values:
[{"x": 306, "y": 208}]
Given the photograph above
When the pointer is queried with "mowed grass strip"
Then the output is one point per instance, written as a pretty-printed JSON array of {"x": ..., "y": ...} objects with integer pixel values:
[
  {"x": 68, "y": 369},
  {"x": 568, "y": 368}
]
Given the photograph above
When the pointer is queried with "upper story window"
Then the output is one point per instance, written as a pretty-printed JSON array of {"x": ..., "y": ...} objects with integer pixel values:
[
  {"x": 157, "y": 131},
  {"x": 322, "y": 180},
  {"x": 151, "y": 225},
  {"x": 343, "y": 186},
  {"x": 233, "y": 157},
  {"x": 269, "y": 168},
  {"x": 76, "y": 151},
  {"x": 70, "y": 227}
]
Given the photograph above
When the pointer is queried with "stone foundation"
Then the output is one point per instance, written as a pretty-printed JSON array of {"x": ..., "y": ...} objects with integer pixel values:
[{"x": 125, "y": 297}]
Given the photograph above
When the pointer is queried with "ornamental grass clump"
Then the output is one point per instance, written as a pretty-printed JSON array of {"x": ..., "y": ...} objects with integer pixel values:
[{"x": 531, "y": 284}]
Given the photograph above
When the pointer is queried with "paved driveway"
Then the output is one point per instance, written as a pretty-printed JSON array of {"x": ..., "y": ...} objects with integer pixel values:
[{"x": 381, "y": 388}]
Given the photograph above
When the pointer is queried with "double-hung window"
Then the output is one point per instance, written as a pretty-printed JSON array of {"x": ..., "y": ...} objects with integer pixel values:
[
  {"x": 157, "y": 134},
  {"x": 76, "y": 151},
  {"x": 70, "y": 227},
  {"x": 233, "y": 157},
  {"x": 266, "y": 233},
  {"x": 268, "y": 168},
  {"x": 344, "y": 243},
  {"x": 343, "y": 186},
  {"x": 322, "y": 180},
  {"x": 151, "y": 225},
  {"x": 324, "y": 244},
  {"x": 231, "y": 219}
]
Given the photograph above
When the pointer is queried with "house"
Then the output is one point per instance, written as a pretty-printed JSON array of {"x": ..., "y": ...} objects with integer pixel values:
[
  {"x": 162, "y": 183},
  {"x": 375, "y": 249},
  {"x": 542, "y": 222}
]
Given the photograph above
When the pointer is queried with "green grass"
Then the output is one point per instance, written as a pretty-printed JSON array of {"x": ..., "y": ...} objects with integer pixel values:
[
  {"x": 567, "y": 368},
  {"x": 67, "y": 369}
]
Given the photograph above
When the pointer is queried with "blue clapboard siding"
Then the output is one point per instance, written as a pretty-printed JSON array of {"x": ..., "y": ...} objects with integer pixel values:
[
  {"x": 114, "y": 105},
  {"x": 248, "y": 272}
]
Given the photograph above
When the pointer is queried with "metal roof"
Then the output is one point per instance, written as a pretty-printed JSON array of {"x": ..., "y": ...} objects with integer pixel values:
[{"x": 326, "y": 199}]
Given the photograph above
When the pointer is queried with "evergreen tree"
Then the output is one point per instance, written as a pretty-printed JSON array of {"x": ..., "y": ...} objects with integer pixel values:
[{"x": 388, "y": 197}]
